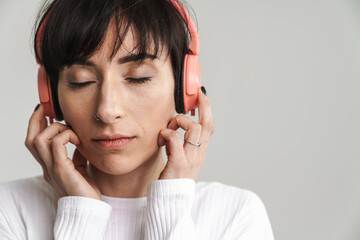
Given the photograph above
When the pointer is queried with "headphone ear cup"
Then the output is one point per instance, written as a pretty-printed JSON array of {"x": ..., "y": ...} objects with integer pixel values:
[
  {"x": 45, "y": 94},
  {"x": 191, "y": 82}
]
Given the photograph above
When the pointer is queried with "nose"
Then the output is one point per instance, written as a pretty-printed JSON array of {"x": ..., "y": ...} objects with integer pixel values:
[{"x": 109, "y": 108}]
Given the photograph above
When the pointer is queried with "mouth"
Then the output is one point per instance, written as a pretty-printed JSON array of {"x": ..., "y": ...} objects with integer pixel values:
[{"x": 113, "y": 142}]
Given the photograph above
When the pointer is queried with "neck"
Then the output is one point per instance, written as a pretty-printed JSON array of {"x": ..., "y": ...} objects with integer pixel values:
[{"x": 132, "y": 184}]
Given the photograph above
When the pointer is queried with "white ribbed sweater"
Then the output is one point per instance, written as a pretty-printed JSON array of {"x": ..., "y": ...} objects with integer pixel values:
[{"x": 173, "y": 209}]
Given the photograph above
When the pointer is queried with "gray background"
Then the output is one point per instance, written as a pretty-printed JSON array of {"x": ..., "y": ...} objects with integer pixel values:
[{"x": 283, "y": 79}]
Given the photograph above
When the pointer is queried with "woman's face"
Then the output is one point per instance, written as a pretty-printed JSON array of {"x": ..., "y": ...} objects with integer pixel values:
[{"x": 131, "y": 100}]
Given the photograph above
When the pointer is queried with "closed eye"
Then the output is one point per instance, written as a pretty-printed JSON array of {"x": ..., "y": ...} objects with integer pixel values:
[
  {"x": 80, "y": 85},
  {"x": 138, "y": 80}
]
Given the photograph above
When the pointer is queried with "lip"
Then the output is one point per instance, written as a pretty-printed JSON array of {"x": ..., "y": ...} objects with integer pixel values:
[
  {"x": 110, "y": 137},
  {"x": 115, "y": 141}
]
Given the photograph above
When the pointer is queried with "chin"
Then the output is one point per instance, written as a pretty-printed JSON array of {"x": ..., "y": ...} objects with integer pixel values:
[
  {"x": 114, "y": 164},
  {"x": 120, "y": 162}
]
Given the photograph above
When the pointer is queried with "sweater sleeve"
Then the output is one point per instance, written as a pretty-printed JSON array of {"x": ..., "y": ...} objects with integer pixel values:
[
  {"x": 168, "y": 213},
  {"x": 81, "y": 218}
]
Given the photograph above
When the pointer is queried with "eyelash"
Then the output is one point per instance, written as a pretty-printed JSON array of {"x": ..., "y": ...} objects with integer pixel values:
[
  {"x": 138, "y": 80},
  {"x": 79, "y": 85},
  {"x": 132, "y": 80}
]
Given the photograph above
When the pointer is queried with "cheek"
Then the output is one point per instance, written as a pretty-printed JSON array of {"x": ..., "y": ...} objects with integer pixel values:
[
  {"x": 76, "y": 110},
  {"x": 152, "y": 111},
  {"x": 155, "y": 104}
]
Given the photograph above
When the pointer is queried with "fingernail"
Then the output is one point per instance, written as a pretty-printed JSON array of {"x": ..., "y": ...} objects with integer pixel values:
[
  {"x": 203, "y": 90},
  {"x": 37, "y": 107}
]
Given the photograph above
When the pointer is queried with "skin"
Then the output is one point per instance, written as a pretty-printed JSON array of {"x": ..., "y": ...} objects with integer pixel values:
[{"x": 144, "y": 111}]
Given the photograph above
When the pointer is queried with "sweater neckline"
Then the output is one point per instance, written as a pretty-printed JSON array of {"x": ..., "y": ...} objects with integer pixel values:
[{"x": 126, "y": 203}]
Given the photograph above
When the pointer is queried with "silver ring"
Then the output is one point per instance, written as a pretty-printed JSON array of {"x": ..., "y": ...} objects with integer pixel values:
[
  {"x": 96, "y": 117},
  {"x": 195, "y": 144}
]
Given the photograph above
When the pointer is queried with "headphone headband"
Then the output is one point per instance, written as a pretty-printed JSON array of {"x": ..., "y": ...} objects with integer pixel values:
[
  {"x": 194, "y": 45},
  {"x": 40, "y": 34}
]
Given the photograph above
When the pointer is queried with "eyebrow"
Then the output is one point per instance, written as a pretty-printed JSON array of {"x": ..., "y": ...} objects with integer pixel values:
[
  {"x": 137, "y": 57},
  {"x": 130, "y": 58}
]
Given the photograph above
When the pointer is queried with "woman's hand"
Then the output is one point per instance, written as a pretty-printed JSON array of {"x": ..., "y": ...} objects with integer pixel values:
[
  {"x": 185, "y": 159},
  {"x": 47, "y": 144}
]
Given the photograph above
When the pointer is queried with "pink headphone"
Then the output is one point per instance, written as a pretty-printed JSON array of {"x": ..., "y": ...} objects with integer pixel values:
[{"x": 191, "y": 77}]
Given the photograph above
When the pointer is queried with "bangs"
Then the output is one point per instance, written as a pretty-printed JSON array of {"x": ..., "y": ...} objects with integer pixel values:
[{"x": 75, "y": 30}]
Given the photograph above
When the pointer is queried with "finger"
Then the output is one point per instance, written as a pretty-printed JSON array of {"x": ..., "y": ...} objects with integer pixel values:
[
  {"x": 78, "y": 159},
  {"x": 64, "y": 167},
  {"x": 74, "y": 182},
  {"x": 60, "y": 131},
  {"x": 52, "y": 131},
  {"x": 80, "y": 163},
  {"x": 59, "y": 151},
  {"x": 181, "y": 121},
  {"x": 43, "y": 124},
  {"x": 43, "y": 143},
  {"x": 37, "y": 123},
  {"x": 205, "y": 116},
  {"x": 174, "y": 142},
  {"x": 193, "y": 129}
]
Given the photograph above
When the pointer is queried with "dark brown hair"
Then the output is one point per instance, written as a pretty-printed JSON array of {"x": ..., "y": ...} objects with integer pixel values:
[{"x": 74, "y": 31}]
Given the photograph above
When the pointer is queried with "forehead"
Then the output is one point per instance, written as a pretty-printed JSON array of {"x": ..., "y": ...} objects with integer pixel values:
[{"x": 124, "y": 46}]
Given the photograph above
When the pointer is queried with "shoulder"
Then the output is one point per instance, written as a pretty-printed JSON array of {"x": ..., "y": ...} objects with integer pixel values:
[
  {"x": 26, "y": 187},
  {"x": 35, "y": 181},
  {"x": 242, "y": 211},
  {"x": 25, "y": 205},
  {"x": 26, "y": 195},
  {"x": 226, "y": 193}
]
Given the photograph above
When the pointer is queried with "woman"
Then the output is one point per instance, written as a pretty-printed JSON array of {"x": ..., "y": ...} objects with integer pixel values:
[{"x": 115, "y": 70}]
